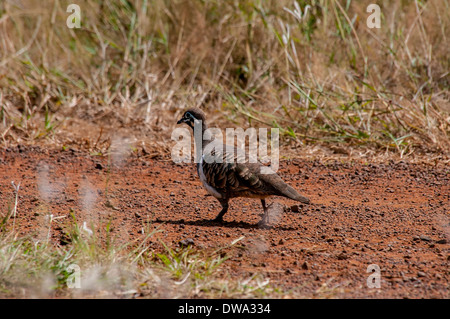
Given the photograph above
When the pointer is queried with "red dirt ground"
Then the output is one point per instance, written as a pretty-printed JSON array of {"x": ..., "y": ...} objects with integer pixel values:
[{"x": 395, "y": 215}]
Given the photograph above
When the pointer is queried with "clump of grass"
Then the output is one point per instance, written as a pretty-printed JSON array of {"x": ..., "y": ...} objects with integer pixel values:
[
  {"x": 197, "y": 273},
  {"x": 41, "y": 268},
  {"x": 312, "y": 68},
  {"x": 30, "y": 267}
]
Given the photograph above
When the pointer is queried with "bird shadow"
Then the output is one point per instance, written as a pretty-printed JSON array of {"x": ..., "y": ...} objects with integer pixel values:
[{"x": 227, "y": 224}]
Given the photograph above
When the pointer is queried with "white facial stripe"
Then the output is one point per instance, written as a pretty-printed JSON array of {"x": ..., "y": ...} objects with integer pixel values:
[{"x": 190, "y": 115}]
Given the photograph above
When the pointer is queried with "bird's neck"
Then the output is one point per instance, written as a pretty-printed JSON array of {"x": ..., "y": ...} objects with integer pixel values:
[{"x": 202, "y": 136}]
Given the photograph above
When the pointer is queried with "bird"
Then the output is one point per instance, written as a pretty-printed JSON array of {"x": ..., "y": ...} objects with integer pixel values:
[{"x": 226, "y": 173}]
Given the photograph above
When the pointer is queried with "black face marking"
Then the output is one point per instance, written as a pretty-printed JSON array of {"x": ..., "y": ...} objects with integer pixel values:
[{"x": 191, "y": 117}]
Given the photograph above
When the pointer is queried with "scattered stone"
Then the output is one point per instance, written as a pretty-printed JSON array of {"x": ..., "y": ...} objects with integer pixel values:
[
  {"x": 305, "y": 266},
  {"x": 421, "y": 274},
  {"x": 441, "y": 241},
  {"x": 98, "y": 166},
  {"x": 342, "y": 256},
  {"x": 425, "y": 238},
  {"x": 295, "y": 208}
]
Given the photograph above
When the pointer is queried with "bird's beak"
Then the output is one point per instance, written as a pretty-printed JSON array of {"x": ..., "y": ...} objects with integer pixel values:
[{"x": 186, "y": 120}]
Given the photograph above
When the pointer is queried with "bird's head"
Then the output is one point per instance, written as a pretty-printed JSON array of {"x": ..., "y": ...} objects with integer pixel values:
[{"x": 192, "y": 116}]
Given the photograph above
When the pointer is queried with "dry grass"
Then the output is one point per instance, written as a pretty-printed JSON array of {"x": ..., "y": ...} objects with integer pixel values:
[
  {"x": 325, "y": 79},
  {"x": 33, "y": 268}
]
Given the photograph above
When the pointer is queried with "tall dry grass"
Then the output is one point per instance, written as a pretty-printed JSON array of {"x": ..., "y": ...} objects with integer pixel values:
[{"x": 315, "y": 70}]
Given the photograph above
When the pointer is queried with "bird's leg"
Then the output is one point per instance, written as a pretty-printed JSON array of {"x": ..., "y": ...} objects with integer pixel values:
[
  {"x": 224, "y": 203},
  {"x": 265, "y": 219}
]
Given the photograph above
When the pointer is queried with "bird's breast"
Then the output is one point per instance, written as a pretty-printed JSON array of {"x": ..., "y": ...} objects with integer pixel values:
[{"x": 204, "y": 180}]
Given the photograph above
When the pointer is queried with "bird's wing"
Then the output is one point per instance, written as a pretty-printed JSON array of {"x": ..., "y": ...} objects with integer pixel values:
[{"x": 226, "y": 169}]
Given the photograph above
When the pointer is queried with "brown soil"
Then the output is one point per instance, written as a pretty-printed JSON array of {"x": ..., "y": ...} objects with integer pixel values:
[{"x": 395, "y": 215}]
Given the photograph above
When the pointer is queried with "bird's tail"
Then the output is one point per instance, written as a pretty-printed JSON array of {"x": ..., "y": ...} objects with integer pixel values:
[
  {"x": 293, "y": 194},
  {"x": 302, "y": 199}
]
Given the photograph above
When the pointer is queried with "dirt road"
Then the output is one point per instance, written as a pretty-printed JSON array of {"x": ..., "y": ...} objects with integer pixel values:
[{"x": 393, "y": 215}]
